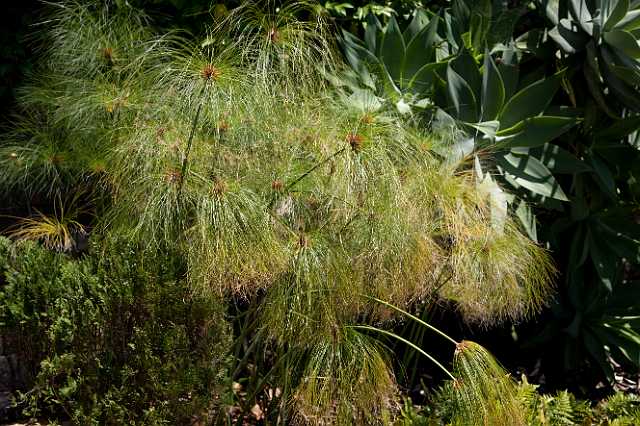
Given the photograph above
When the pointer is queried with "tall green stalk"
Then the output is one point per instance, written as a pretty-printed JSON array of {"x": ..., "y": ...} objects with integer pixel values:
[{"x": 194, "y": 125}]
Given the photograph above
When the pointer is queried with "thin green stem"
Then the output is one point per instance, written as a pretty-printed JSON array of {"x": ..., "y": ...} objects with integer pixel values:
[
  {"x": 415, "y": 318},
  {"x": 312, "y": 169},
  {"x": 185, "y": 159},
  {"x": 308, "y": 172},
  {"x": 439, "y": 286},
  {"x": 412, "y": 345}
]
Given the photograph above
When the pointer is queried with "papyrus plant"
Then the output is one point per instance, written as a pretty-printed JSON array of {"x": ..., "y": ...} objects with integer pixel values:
[{"x": 236, "y": 154}]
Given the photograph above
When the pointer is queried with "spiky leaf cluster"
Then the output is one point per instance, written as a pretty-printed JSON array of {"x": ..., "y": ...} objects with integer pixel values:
[{"x": 483, "y": 392}]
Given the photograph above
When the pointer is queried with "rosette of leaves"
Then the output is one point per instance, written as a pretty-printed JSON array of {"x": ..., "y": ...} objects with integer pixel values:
[
  {"x": 602, "y": 326},
  {"x": 607, "y": 32},
  {"x": 415, "y": 68},
  {"x": 508, "y": 118},
  {"x": 601, "y": 237},
  {"x": 391, "y": 64},
  {"x": 598, "y": 311},
  {"x": 401, "y": 65}
]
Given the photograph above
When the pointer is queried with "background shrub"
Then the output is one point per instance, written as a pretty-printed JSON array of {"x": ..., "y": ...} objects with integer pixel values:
[{"x": 115, "y": 337}]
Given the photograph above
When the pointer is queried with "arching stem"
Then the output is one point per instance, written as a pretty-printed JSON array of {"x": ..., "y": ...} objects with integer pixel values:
[
  {"x": 412, "y": 345},
  {"x": 415, "y": 318}
]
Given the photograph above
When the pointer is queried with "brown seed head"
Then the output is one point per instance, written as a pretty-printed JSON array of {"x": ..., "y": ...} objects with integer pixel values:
[
  {"x": 56, "y": 159},
  {"x": 223, "y": 126},
  {"x": 313, "y": 202},
  {"x": 277, "y": 185},
  {"x": 461, "y": 347},
  {"x": 356, "y": 141},
  {"x": 107, "y": 54},
  {"x": 219, "y": 186},
  {"x": 99, "y": 167},
  {"x": 367, "y": 119},
  {"x": 173, "y": 176},
  {"x": 274, "y": 35},
  {"x": 209, "y": 72}
]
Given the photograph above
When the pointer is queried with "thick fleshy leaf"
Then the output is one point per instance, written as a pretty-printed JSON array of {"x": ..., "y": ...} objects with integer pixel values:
[
  {"x": 459, "y": 150},
  {"x": 625, "y": 295},
  {"x": 420, "y": 50},
  {"x": 616, "y": 15},
  {"x": 604, "y": 261},
  {"x": 579, "y": 250},
  {"x": 624, "y": 42},
  {"x": 417, "y": 24},
  {"x": 392, "y": 50},
  {"x": 591, "y": 72},
  {"x": 403, "y": 107},
  {"x": 581, "y": 14},
  {"x": 620, "y": 129},
  {"x": 619, "y": 243},
  {"x": 423, "y": 80},
  {"x": 359, "y": 58},
  {"x": 467, "y": 68},
  {"x": 493, "y": 93},
  {"x": 502, "y": 27},
  {"x": 569, "y": 40},
  {"x": 487, "y": 128},
  {"x": 622, "y": 91},
  {"x": 620, "y": 232},
  {"x": 604, "y": 177},
  {"x": 364, "y": 100},
  {"x": 631, "y": 21},
  {"x": 527, "y": 219},
  {"x": 551, "y": 8},
  {"x": 595, "y": 348},
  {"x": 530, "y": 101},
  {"x": 371, "y": 32},
  {"x": 480, "y": 24},
  {"x": 536, "y": 131},
  {"x": 628, "y": 72},
  {"x": 556, "y": 159},
  {"x": 510, "y": 74},
  {"x": 622, "y": 218},
  {"x": 497, "y": 201},
  {"x": 625, "y": 340},
  {"x": 452, "y": 35},
  {"x": 461, "y": 97},
  {"x": 530, "y": 173},
  {"x": 391, "y": 89}
]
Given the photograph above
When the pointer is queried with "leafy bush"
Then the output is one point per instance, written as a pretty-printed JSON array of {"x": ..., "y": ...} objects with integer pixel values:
[{"x": 114, "y": 337}]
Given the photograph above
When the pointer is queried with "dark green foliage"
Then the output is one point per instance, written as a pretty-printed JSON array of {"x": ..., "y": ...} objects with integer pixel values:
[
  {"x": 553, "y": 118},
  {"x": 114, "y": 337},
  {"x": 603, "y": 35},
  {"x": 15, "y": 51}
]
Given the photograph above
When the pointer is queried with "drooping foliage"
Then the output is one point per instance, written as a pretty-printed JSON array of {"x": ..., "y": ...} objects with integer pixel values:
[
  {"x": 544, "y": 94},
  {"x": 235, "y": 158}
]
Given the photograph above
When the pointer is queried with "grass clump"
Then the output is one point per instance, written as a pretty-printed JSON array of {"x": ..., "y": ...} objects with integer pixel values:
[
  {"x": 344, "y": 382},
  {"x": 483, "y": 392}
]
